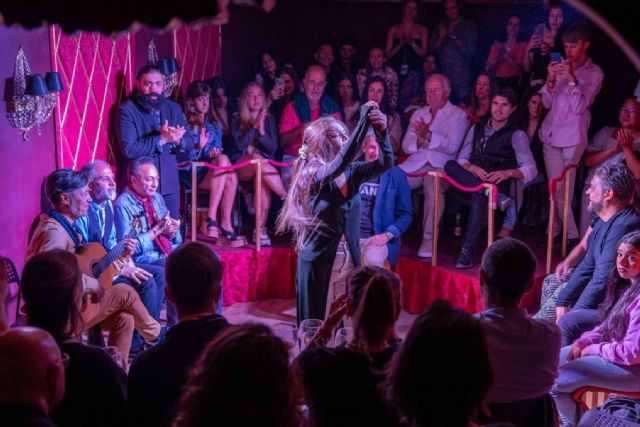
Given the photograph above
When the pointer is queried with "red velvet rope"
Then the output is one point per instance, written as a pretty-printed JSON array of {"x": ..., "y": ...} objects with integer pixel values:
[
  {"x": 479, "y": 187},
  {"x": 242, "y": 165},
  {"x": 553, "y": 182}
]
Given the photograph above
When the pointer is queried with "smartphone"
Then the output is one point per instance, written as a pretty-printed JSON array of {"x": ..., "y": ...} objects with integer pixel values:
[
  {"x": 556, "y": 57},
  {"x": 279, "y": 82}
]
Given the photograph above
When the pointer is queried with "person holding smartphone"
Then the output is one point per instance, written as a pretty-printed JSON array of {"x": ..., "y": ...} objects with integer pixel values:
[
  {"x": 544, "y": 40},
  {"x": 572, "y": 85}
]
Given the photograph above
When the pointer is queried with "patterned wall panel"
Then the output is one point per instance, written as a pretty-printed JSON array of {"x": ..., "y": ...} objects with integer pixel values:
[
  {"x": 97, "y": 73},
  {"x": 197, "y": 47}
]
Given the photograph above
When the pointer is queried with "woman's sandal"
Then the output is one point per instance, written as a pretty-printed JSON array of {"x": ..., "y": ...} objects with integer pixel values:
[
  {"x": 210, "y": 228},
  {"x": 230, "y": 238}
]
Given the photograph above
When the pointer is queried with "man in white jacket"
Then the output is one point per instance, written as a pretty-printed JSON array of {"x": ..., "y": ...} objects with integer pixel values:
[{"x": 434, "y": 137}]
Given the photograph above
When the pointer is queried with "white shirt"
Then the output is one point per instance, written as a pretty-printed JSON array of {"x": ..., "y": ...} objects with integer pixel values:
[{"x": 447, "y": 132}]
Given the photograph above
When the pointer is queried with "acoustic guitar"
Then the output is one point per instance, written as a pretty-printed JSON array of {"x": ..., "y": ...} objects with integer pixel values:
[{"x": 94, "y": 261}]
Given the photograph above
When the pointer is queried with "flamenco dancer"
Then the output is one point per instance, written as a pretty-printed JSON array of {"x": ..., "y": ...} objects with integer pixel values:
[{"x": 326, "y": 179}]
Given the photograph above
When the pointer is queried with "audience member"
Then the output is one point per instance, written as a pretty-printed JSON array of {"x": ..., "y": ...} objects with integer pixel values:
[
  {"x": 242, "y": 378},
  {"x": 607, "y": 356},
  {"x": 158, "y": 233},
  {"x": 478, "y": 106},
  {"x": 151, "y": 125},
  {"x": 270, "y": 68},
  {"x": 348, "y": 55},
  {"x": 434, "y": 137},
  {"x": 506, "y": 59},
  {"x": 194, "y": 275},
  {"x": 495, "y": 151},
  {"x": 442, "y": 372},
  {"x": 385, "y": 213},
  {"x": 341, "y": 383},
  {"x": 254, "y": 136},
  {"x": 523, "y": 351},
  {"x": 290, "y": 89},
  {"x": 32, "y": 371},
  {"x": 531, "y": 121},
  {"x": 455, "y": 41},
  {"x": 407, "y": 41},
  {"x": 613, "y": 145},
  {"x": 119, "y": 308},
  {"x": 99, "y": 226},
  {"x": 610, "y": 197},
  {"x": 325, "y": 58},
  {"x": 296, "y": 116},
  {"x": 376, "y": 67},
  {"x": 544, "y": 40},
  {"x": 95, "y": 390},
  {"x": 568, "y": 93},
  {"x": 348, "y": 99},
  {"x": 220, "y": 107},
  {"x": 222, "y": 185},
  {"x": 376, "y": 90},
  {"x": 411, "y": 95}
]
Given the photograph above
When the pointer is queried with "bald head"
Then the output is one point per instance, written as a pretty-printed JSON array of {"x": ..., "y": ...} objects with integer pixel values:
[{"x": 31, "y": 368}]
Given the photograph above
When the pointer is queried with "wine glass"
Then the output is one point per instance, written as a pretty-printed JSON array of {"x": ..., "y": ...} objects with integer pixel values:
[
  {"x": 307, "y": 337},
  {"x": 309, "y": 327},
  {"x": 343, "y": 336},
  {"x": 287, "y": 332}
]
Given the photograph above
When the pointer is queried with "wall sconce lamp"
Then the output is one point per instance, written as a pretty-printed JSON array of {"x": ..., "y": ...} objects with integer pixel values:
[
  {"x": 30, "y": 98},
  {"x": 168, "y": 67}
]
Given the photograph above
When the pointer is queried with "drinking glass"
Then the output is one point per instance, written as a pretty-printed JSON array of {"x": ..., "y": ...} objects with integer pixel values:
[{"x": 343, "y": 336}]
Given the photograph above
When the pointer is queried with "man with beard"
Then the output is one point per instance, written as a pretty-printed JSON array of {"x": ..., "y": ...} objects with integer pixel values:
[
  {"x": 151, "y": 125},
  {"x": 98, "y": 226},
  {"x": 574, "y": 300}
]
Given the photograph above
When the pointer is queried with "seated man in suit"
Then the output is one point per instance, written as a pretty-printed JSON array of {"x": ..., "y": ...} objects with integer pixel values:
[
  {"x": 119, "y": 308},
  {"x": 159, "y": 234},
  {"x": 98, "y": 226},
  {"x": 385, "y": 211}
]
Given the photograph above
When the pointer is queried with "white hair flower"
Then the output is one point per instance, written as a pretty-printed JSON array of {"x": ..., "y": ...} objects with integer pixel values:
[{"x": 302, "y": 152}]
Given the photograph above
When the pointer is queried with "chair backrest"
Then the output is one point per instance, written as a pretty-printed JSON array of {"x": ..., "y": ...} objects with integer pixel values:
[{"x": 10, "y": 270}]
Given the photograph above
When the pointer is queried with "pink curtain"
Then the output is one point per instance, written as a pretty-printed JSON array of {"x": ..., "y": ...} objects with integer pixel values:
[
  {"x": 197, "y": 47},
  {"x": 97, "y": 73}
]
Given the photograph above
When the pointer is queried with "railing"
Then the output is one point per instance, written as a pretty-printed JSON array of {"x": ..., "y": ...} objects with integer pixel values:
[
  {"x": 258, "y": 189},
  {"x": 491, "y": 206},
  {"x": 565, "y": 176}
]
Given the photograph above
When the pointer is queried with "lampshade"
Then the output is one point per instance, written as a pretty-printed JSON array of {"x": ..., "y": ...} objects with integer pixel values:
[
  {"x": 36, "y": 85},
  {"x": 173, "y": 65},
  {"x": 54, "y": 83},
  {"x": 164, "y": 66}
]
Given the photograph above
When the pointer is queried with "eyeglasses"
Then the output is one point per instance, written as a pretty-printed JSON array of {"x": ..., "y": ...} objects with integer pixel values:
[
  {"x": 628, "y": 111},
  {"x": 65, "y": 359}
]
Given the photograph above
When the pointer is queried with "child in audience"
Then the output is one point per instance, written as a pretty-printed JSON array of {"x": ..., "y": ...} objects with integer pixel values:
[{"x": 609, "y": 355}]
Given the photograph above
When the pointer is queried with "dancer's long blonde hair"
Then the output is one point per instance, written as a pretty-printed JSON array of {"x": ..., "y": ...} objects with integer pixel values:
[{"x": 317, "y": 150}]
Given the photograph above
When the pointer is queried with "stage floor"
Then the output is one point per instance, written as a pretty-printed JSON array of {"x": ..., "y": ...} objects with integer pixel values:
[{"x": 259, "y": 286}]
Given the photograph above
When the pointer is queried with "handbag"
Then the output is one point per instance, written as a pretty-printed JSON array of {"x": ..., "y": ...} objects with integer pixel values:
[{"x": 618, "y": 411}]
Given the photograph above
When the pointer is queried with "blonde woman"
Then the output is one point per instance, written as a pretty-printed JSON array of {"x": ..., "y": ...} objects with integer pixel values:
[
  {"x": 324, "y": 189},
  {"x": 254, "y": 135}
]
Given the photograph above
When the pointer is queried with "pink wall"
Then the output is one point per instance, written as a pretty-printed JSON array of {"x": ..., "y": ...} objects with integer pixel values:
[{"x": 23, "y": 164}]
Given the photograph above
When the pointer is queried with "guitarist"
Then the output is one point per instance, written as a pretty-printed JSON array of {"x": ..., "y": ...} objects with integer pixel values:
[
  {"x": 98, "y": 226},
  {"x": 159, "y": 234},
  {"x": 119, "y": 307}
]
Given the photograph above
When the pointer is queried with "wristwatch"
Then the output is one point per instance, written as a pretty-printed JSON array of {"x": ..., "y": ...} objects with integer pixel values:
[{"x": 389, "y": 235}]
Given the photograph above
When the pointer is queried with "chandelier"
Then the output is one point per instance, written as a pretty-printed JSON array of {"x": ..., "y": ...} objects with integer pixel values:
[{"x": 30, "y": 98}]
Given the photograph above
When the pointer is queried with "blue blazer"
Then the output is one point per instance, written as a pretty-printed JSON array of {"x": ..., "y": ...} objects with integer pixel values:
[
  {"x": 393, "y": 209},
  {"x": 139, "y": 134}
]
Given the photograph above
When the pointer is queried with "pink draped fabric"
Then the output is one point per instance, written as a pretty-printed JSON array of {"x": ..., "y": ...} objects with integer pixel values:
[
  {"x": 251, "y": 276},
  {"x": 197, "y": 47},
  {"x": 97, "y": 73}
]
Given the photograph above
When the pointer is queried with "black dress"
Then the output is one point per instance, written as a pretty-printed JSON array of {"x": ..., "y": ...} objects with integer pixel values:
[{"x": 332, "y": 208}]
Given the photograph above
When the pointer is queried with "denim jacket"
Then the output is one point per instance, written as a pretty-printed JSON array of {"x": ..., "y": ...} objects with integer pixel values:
[{"x": 127, "y": 206}]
